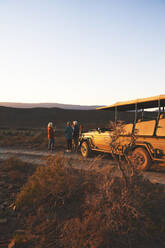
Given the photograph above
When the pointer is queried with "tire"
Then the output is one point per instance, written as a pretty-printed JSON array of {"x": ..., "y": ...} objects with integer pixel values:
[
  {"x": 84, "y": 149},
  {"x": 141, "y": 159}
]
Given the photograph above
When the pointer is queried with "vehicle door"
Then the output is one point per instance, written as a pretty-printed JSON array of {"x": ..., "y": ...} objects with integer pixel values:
[{"x": 102, "y": 140}]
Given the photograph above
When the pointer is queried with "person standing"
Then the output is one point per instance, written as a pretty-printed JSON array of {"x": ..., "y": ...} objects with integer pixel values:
[
  {"x": 76, "y": 131},
  {"x": 68, "y": 135},
  {"x": 51, "y": 136}
]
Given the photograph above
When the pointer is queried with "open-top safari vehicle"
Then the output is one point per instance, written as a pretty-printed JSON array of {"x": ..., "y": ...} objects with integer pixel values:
[{"x": 149, "y": 145}]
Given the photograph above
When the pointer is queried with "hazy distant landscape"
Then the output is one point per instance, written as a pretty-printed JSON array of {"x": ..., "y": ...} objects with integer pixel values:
[{"x": 47, "y": 105}]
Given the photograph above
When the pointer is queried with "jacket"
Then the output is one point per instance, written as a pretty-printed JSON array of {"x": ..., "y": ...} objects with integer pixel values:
[
  {"x": 51, "y": 133},
  {"x": 68, "y": 132},
  {"x": 76, "y": 131}
]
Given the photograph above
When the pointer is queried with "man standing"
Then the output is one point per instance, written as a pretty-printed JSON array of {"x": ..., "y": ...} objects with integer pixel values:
[
  {"x": 68, "y": 135},
  {"x": 76, "y": 131}
]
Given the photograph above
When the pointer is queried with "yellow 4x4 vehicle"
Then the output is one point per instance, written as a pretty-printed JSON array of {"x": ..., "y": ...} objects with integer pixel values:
[{"x": 149, "y": 145}]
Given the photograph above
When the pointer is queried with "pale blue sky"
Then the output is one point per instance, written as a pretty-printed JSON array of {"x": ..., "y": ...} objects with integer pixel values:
[{"x": 88, "y": 52}]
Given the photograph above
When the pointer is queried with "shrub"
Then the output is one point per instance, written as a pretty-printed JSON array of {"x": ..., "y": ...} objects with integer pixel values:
[{"x": 65, "y": 207}]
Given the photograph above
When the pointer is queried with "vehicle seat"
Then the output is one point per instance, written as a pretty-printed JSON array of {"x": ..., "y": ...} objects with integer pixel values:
[
  {"x": 161, "y": 128},
  {"x": 145, "y": 128}
]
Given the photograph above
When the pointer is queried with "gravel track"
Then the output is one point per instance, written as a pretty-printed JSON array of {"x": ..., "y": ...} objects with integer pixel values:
[{"x": 38, "y": 157}]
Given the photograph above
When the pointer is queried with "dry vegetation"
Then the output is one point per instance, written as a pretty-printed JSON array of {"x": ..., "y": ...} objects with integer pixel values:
[
  {"x": 30, "y": 138},
  {"x": 13, "y": 175},
  {"x": 65, "y": 207},
  {"x": 60, "y": 206}
]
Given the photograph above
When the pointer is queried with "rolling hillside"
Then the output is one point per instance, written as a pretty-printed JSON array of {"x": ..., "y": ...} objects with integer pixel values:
[{"x": 39, "y": 117}]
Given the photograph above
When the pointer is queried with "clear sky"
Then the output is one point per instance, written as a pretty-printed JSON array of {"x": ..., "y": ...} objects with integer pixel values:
[{"x": 87, "y": 52}]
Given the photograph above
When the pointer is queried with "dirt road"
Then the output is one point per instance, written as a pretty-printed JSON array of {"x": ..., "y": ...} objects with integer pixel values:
[{"x": 38, "y": 157}]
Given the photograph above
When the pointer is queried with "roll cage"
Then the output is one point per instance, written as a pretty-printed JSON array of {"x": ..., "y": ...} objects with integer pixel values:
[{"x": 138, "y": 104}]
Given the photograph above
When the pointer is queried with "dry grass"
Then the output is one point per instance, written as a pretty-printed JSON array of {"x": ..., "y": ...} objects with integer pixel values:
[
  {"x": 13, "y": 175},
  {"x": 65, "y": 207},
  {"x": 16, "y": 170},
  {"x": 30, "y": 138}
]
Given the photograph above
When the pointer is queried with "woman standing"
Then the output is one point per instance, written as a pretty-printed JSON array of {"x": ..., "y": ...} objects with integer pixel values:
[{"x": 51, "y": 135}]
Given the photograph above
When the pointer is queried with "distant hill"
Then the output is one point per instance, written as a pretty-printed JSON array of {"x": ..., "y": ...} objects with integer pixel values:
[
  {"x": 47, "y": 105},
  {"x": 39, "y": 117}
]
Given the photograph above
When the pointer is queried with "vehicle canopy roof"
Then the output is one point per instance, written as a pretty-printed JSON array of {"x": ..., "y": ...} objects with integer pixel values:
[{"x": 143, "y": 103}]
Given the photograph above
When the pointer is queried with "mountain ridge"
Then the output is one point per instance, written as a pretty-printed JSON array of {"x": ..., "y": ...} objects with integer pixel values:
[
  {"x": 48, "y": 105},
  {"x": 11, "y": 117}
]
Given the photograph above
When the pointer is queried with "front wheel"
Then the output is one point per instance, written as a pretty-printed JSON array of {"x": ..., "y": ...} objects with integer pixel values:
[
  {"x": 85, "y": 150},
  {"x": 141, "y": 159}
]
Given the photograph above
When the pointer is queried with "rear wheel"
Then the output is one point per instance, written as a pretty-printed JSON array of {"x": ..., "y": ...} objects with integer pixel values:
[
  {"x": 85, "y": 150},
  {"x": 141, "y": 159}
]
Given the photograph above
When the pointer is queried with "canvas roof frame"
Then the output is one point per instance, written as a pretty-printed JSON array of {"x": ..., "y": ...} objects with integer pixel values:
[
  {"x": 138, "y": 104},
  {"x": 143, "y": 103}
]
